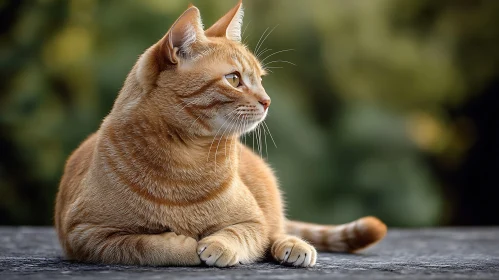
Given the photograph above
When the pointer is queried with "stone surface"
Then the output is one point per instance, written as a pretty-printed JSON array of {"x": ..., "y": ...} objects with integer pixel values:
[{"x": 462, "y": 253}]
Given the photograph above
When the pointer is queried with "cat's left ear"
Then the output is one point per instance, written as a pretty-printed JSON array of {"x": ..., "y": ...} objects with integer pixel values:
[
  {"x": 229, "y": 25},
  {"x": 183, "y": 36},
  {"x": 183, "y": 41}
]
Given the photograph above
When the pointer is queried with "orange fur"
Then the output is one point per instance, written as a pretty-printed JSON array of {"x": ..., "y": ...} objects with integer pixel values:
[{"x": 165, "y": 180}]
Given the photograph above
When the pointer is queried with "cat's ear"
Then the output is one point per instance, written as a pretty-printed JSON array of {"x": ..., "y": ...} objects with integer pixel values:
[
  {"x": 183, "y": 41},
  {"x": 229, "y": 25},
  {"x": 183, "y": 36}
]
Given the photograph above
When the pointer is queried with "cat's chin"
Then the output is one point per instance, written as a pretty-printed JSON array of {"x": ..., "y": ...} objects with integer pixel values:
[
  {"x": 251, "y": 127},
  {"x": 253, "y": 123},
  {"x": 245, "y": 124}
]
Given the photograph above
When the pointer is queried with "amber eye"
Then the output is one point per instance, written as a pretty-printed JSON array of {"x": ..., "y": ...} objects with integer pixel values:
[{"x": 233, "y": 79}]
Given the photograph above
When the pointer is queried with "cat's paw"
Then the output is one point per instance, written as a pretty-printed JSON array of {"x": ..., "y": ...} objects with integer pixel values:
[
  {"x": 291, "y": 250},
  {"x": 185, "y": 247},
  {"x": 215, "y": 251}
]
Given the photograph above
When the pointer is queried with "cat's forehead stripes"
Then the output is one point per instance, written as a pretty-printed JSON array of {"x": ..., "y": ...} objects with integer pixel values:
[{"x": 249, "y": 63}]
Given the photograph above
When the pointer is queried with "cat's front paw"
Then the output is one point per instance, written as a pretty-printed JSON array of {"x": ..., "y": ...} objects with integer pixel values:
[
  {"x": 185, "y": 248},
  {"x": 216, "y": 252},
  {"x": 291, "y": 250}
]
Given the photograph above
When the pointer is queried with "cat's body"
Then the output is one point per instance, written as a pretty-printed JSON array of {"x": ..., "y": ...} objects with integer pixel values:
[{"x": 165, "y": 180}]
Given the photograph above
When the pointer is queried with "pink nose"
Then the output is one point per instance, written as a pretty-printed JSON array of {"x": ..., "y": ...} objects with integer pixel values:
[{"x": 265, "y": 103}]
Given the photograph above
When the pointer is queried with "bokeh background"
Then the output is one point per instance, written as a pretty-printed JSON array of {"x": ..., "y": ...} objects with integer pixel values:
[{"x": 390, "y": 109}]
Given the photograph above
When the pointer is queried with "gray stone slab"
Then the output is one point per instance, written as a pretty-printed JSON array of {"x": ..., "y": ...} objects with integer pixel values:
[{"x": 458, "y": 253}]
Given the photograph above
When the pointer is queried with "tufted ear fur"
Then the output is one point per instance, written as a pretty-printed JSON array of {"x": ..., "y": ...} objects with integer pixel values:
[
  {"x": 229, "y": 25},
  {"x": 182, "y": 37},
  {"x": 184, "y": 40}
]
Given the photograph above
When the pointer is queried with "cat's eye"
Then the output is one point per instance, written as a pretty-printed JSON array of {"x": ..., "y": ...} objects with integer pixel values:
[{"x": 234, "y": 79}]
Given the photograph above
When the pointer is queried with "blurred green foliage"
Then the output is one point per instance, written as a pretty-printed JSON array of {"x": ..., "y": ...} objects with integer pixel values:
[{"x": 354, "y": 120}]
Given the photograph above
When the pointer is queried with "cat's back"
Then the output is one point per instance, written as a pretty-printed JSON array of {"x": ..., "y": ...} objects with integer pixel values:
[{"x": 75, "y": 170}]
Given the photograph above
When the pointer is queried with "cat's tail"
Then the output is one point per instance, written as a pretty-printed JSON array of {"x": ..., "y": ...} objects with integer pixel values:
[{"x": 349, "y": 237}]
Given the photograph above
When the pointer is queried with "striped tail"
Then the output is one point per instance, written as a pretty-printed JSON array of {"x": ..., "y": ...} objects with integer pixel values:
[{"x": 349, "y": 237}]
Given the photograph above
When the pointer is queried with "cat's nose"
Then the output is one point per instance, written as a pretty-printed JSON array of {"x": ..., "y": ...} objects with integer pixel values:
[{"x": 265, "y": 103}]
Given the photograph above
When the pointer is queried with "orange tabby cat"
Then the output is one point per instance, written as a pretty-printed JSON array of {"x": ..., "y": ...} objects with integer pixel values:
[{"x": 165, "y": 180}]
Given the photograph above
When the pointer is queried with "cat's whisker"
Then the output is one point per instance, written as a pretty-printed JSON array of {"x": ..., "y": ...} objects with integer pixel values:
[
  {"x": 193, "y": 122},
  {"x": 232, "y": 139},
  {"x": 244, "y": 138},
  {"x": 226, "y": 138},
  {"x": 272, "y": 71},
  {"x": 258, "y": 141},
  {"x": 215, "y": 137},
  {"x": 239, "y": 122},
  {"x": 213, "y": 141},
  {"x": 244, "y": 31},
  {"x": 230, "y": 112},
  {"x": 236, "y": 130},
  {"x": 190, "y": 138},
  {"x": 262, "y": 52},
  {"x": 260, "y": 138},
  {"x": 253, "y": 140},
  {"x": 243, "y": 126},
  {"x": 257, "y": 136},
  {"x": 267, "y": 68},
  {"x": 265, "y": 124},
  {"x": 261, "y": 44},
  {"x": 258, "y": 43},
  {"x": 228, "y": 135},
  {"x": 240, "y": 135},
  {"x": 265, "y": 138},
  {"x": 221, "y": 138},
  {"x": 245, "y": 134},
  {"x": 275, "y": 61},
  {"x": 274, "y": 53},
  {"x": 185, "y": 105}
]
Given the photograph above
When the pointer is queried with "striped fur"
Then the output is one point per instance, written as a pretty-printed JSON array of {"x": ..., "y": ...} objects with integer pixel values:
[
  {"x": 349, "y": 237},
  {"x": 165, "y": 180}
]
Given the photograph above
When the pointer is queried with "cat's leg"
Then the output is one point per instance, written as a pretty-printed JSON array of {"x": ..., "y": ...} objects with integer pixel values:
[
  {"x": 239, "y": 243},
  {"x": 291, "y": 250},
  {"x": 109, "y": 245}
]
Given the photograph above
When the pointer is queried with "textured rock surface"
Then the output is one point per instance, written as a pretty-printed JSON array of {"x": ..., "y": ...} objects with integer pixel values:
[{"x": 468, "y": 253}]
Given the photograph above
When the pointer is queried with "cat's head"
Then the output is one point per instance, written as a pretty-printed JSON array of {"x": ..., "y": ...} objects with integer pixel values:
[{"x": 205, "y": 82}]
